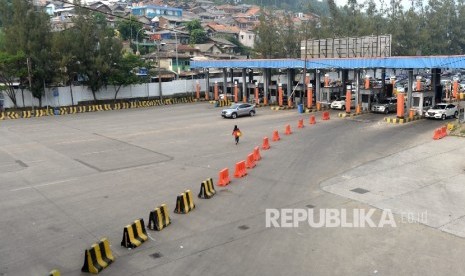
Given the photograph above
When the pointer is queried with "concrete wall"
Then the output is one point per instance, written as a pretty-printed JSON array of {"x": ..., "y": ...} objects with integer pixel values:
[{"x": 81, "y": 93}]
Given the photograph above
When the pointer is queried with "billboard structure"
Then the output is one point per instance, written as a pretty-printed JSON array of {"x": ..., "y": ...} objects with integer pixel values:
[{"x": 347, "y": 47}]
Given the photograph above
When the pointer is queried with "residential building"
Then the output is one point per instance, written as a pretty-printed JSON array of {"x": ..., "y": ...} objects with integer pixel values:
[
  {"x": 151, "y": 11},
  {"x": 247, "y": 38}
]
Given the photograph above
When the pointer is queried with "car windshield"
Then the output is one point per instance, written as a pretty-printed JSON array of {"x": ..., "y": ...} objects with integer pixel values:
[
  {"x": 234, "y": 106},
  {"x": 439, "y": 106}
]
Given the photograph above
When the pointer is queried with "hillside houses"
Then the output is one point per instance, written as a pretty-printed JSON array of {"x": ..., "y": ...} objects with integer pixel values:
[{"x": 164, "y": 22}]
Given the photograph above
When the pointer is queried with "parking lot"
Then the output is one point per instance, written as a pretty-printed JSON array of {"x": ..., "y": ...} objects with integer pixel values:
[{"x": 67, "y": 181}]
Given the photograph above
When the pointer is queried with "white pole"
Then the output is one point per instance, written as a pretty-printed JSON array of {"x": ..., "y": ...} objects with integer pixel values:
[{"x": 177, "y": 63}]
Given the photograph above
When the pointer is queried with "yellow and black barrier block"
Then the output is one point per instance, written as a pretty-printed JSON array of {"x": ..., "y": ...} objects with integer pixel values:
[
  {"x": 72, "y": 110},
  {"x": 12, "y": 115},
  {"x": 134, "y": 235},
  {"x": 39, "y": 113},
  {"x": 2, "y": 115},
  {"x": 63, "y": 110},
  {"x": 81, "y": 109},
  {"x": 117, "y": 106},
  {"x": 184, "y": 203},
  {"x": 159, "y": 218},
  {"x": 98, "y": 257},
  {"x": 401, "y": 120},
  {"x": 26, "y": 114},
  {"x": 222, "y": 103},
  {"x": 49, "y": 112},
  {"x": 54, "y": 272},
  {"x": 207, "y": 190},
  {"x": 107, "y": 107},
  {"x": 346, "y": 115},
  {"x": 133, "y": 105},
  {"x": 99, "y": 107}
]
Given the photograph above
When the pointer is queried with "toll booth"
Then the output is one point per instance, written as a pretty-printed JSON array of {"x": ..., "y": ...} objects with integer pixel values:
[
  {"x": 370, "y": 96},
  {"x": 329, "y": 94},
  {"x": 422, "y": 101},
  {"x": 273, "y": 91},
  {"x": 299, "y": 92},
  {"x": 250, "y": 93}
]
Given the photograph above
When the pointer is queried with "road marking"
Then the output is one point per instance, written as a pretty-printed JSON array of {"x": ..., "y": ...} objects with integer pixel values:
[
  {"x": 97, "y": 152},
  {"x": 76, "y": 141},
  {"x": 43, "y": 185}
]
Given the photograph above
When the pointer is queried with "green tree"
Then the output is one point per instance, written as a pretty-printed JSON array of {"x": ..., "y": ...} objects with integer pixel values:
[
  {"x": 99, "y": 50},
  {"x": 267, "y": 41},
  {"x": 196, "y": 33},
  {"x": 122, "y": 74},
  {"x": 65, "y": 51},
  {"x": 128, "y": 28},
  {"x": 11, "y": 66},
  {"x": 290, "y": 39},
  {"x": 28, "y": 30}
]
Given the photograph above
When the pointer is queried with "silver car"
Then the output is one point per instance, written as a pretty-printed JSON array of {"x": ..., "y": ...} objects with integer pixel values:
[
  {"x": 238, "y": 109},
  {"x": 385, "y": 106}
]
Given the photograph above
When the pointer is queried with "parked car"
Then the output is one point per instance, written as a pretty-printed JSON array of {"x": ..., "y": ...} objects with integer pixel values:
[
  {"x": 341, "y": 103},
  {"x": 238, "y": 109},
  {"x": 385, "y": 106},
  {"x": 442, "y": 111}
]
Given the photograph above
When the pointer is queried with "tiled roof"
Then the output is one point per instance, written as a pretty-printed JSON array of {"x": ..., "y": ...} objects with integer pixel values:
[{"x": 222, "y": 28}]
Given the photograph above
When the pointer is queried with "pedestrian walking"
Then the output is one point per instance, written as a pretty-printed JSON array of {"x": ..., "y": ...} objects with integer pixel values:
[{"x": 236, "y": 133}]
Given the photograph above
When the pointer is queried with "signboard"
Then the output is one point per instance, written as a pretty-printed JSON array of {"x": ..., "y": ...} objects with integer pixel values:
[{"x": 347, "y": 47}]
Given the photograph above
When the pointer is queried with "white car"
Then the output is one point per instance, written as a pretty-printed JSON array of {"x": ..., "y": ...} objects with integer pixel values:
[
  {"x": 442, "y": 111},
  {"x": 341, "y": 103}
]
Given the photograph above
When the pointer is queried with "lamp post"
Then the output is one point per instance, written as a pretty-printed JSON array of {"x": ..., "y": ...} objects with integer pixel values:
[
  {"x": 304, "y": 83},
  {"x": 137, "y": 41},
  {"x": 177, "y": 63},
  {"x": 159, "y": 69}
]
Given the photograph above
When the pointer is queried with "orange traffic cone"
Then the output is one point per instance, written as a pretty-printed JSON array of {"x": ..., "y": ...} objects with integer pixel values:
[
  {"x": 301, "y": 123},
  {"x": 288, "y": 130},
  {"x": 256, "y": 154},
  {"x": 312, "y": 120},
  {"x": 276, "y": 136},
  {"x": 266, "y": 143},
  {"x": 325, "y": 115}
]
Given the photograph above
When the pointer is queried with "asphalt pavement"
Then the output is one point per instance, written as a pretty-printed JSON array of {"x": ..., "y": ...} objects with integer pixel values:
[{"x": 67, "y": 181}]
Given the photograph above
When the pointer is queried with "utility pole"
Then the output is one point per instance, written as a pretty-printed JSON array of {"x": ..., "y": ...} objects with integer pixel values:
[
  {"x": 30, "y": 82},
  {"x": 304, "y": 84},
  {"x": 159, "y": 69},
  {"x": 177, "y": 63}
]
